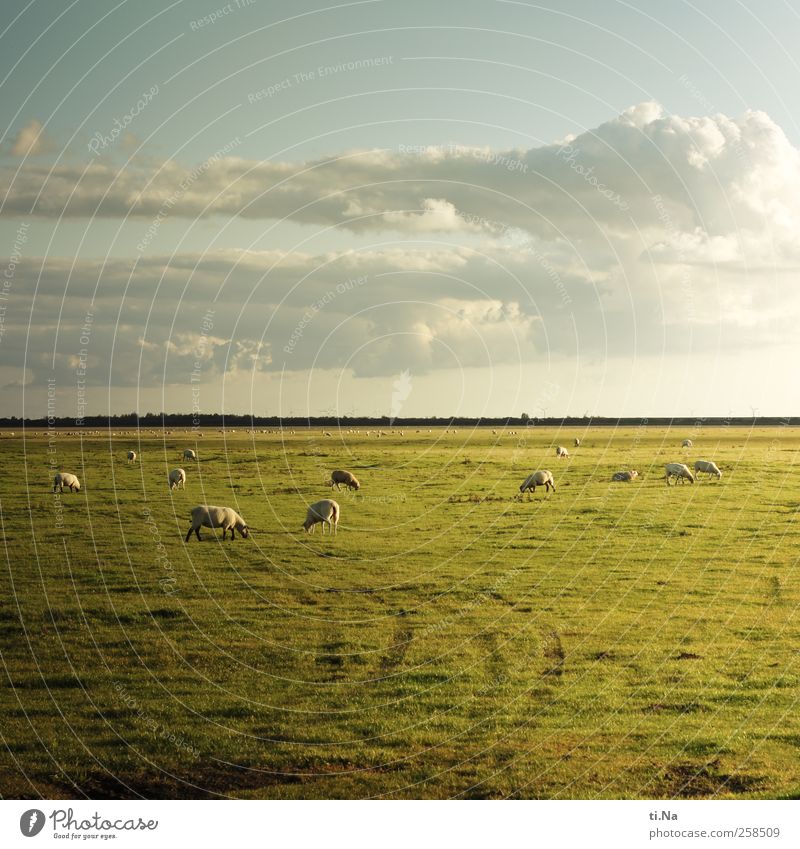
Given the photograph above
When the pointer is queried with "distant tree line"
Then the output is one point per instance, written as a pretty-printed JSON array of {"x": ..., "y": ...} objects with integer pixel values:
[{"x": 218, "y": 420}]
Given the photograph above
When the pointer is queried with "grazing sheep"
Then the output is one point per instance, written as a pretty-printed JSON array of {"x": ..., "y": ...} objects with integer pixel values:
[
  {"x": 707, "y": 466},
  {"x": 177, "y": 479},
  {"x": 543, "y": 477},
  {"x": 625, "y": 476},
  {"x": 325, "y": 511},
  {"x": 209, "y": 516},
  {"x": 189, "y": 454},
  {"x": 687, "y": 443},
  {"x": 63, "y": 479},
  {"x": 340, "y": 476},
  {"x": 131, "y": 456},
  {"x": 679, "y": 471},
  {"x": 577, "y": 442},
  {"x": 561, "y": 451}
]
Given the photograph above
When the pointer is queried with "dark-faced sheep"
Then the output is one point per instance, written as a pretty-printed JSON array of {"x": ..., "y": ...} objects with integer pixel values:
[
  {"x": 325, "y": 512},
  {"x": 542, "y": 477},
  {"x": 209, "y": 516}
]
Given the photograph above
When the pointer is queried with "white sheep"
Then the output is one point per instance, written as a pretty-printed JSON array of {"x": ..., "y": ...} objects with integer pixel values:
[
  {"x": 209, "y": 516},
  {"x": 625, "y": 476},
  {"x": 679, "y": 471},
  {"x": 177, "y": 479},
  {"x": 542, "y": 477},
  {"x": 326, "y": 512},
  {"x": 131, "y": 456},
  {"x": 687, "y": 443},
  {"x": 707, "y": 466},
  {"x": 561, "y": 451},
  {"x": 340, "y": 476},
  {"x": 189, "y": 454},
  {"x": 63, "y": 479}
]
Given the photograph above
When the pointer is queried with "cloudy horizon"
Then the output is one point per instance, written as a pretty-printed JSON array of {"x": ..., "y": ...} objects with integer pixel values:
[{"x": 245, "y": 211}]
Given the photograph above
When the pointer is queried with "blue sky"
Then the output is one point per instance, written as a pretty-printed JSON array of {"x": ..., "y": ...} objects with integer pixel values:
[{"x": 286, "y": 149}]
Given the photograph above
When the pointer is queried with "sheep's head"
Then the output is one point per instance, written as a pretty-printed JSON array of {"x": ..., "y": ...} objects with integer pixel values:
[{"x": 244, "y": 531}]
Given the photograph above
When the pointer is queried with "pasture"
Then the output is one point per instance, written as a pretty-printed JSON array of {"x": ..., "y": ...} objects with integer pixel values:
[{"x": 608, "y": 640}]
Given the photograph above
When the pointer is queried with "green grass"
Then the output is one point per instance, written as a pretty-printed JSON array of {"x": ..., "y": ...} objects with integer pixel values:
[{"x": 605, "y": 641}]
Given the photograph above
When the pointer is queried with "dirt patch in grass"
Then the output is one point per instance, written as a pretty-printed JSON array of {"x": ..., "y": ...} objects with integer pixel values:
[{"x": 701, "y": 781}]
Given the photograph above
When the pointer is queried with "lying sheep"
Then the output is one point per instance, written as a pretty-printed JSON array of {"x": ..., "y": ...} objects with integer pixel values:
[
  {"x": 707, "y": 466},
  {"x": 625, "y": 476},
  {"x": 543, "y": 477},
  {"x": 561, "y": 451},
  {"x": 687, "y": 443},
  {"x": 325, "y": 511},
  {"x": 177, "y": 479},
  {"x": 131, "y": 456},
  {"x": 679, "y": 471},
  {"x": 189, "y": 454},
  {"x": 209, "y": 516},
  {"x": 340, "y": 476},
  {"x": 63, "y": 479}
]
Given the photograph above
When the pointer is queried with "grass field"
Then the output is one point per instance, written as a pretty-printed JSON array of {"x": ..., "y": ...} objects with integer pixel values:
[{"x": 453, "y": 640}]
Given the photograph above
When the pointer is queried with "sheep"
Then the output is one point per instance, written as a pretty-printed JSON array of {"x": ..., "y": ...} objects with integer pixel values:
[
  {"x": 63, "y": 479},
  {"x": 325, "y": 511},
  {"x": 542, "y": 477},
  {"x": 189, "y": 454},
  {"x": 209, "y": 516},
  {"x": 561, "y": 451},
  {"x": 679, "y": 471},
  {"x": 625, "y": 476},
  {"x": 577, "y": 442},
  {"x": 131, "y": 456},
  {"x": 707, "y": 466},
  {"x": 340, "y": 476},
  {"x": 687, "y": 443},
  {"x": 177, "y": 479}
]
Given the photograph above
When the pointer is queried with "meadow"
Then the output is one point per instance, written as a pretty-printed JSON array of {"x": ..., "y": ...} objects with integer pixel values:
[{"x": 608, "y": 640}]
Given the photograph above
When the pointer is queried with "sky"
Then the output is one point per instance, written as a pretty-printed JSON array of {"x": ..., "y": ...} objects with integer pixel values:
[{"x": 401, "y": 208}]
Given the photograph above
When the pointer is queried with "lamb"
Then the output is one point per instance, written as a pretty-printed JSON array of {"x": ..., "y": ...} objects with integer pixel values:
[
  {"x": 561, "y": 451},
  {"x": 707, "y": 466},
  {"x": 131, "y": 456},
  {"x": 177, "y": 479},
  {"x": 625, "y": 476},
  {"x": 63, "y": 479},
  {"x": 325, "y": 511},
  {"x": 679, "y": 471},
  {"x": 542, "y": 477},
  {"x": 189, "y": 454},
  {"x": 340, "y": 476},
  {"x": 209, "y": 516},
  {"x": 687, "y": 443}
]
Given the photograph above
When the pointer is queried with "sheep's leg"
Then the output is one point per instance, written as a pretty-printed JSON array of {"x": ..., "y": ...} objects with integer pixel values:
[
  {"x": 197, "y": 533},
  {"x": 188, "y": 534},
  {"x": 232, "y": 534}
]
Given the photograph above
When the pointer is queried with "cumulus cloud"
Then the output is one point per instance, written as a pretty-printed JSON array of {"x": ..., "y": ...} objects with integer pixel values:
[{"x": 30, "y": 140}]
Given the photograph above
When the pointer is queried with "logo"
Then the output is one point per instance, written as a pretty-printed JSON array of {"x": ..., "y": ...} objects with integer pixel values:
[{"x": 31, "y": 822}]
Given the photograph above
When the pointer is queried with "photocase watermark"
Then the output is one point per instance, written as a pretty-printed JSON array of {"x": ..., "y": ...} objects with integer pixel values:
[
  {"x": 100, "y": 141},
  {"x": 188, "y": 181},
  {"x": 168, "y": 583},
  {"x": 219, "y": 14},
  {"x": 9, "y": 272},
  {"x": 156, "y": 727},
  {"x": 206, "y": 326},
  {"x": 511, "y": 163},
  {"x": 319, "y": 304},
  {"x": 318, "y": 73},
  {"x": 686, "y": 288},
  {"x": 570, "y": 155},
  {"x": 401, "y": 389},
  {"x": 80, "y": 371},
  {"x": 552, "y": 273},
  {"x": 52, "y": 450}
]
